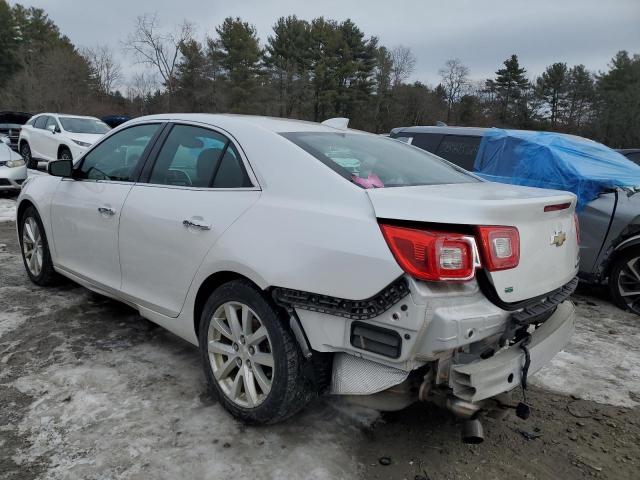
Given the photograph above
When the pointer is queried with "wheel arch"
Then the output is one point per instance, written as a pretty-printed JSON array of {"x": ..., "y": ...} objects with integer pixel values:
[
  {"x": 622, "y": 247},
  {"x": 24, "y": 204},
  {"x": 62, "y": 147},
  {"x": 209, "y": 284}
]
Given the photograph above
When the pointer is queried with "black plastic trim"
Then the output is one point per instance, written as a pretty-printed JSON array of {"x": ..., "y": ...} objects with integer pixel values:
[
  {"x": 352, "y": 309},
  {"x": 490, "y": 292},
  {"x": 372, "y": 338}
]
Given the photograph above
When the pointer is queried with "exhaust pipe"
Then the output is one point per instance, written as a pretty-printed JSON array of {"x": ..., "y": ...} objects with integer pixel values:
[{"x": 472, "y": 432}]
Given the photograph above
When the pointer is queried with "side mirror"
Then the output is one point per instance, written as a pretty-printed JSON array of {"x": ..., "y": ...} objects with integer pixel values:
[
  {"x": 52, "y": 128},
  {"x": 60, "y": 168}
]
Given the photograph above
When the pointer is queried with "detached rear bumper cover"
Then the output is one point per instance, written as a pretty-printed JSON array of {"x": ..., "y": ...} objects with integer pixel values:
[{"x": 486, "y": 378}]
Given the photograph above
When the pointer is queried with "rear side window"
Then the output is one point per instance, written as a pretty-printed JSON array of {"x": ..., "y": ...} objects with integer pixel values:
[
  {"x": 459, "y": 149},
  {"x": 427, "y": 141},
  {"x": 198, "y": 157},
  {"x": 117, "y": 157},
  {"x": 41, "y": 121},
  {"x": 371, "y": 161},
  {"x": 634, "y": 157}
]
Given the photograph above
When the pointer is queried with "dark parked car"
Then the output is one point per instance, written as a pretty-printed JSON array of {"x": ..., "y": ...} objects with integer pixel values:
[
  {"x": 115, "y": 120},
  {"x": 10, "y": 125},
  {"x": 609, "y": 224},
  {"x": 632, "y": 154}
]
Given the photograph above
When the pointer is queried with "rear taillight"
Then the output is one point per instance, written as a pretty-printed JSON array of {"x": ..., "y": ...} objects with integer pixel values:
[
  {"x": 576, "y": 224},
  {"x": 500, "y": 247},
  {"x": 432, "y": 255}
]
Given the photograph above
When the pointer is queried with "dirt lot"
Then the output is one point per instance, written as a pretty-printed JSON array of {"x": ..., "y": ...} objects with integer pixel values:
[{"x": 89, "y": 390}]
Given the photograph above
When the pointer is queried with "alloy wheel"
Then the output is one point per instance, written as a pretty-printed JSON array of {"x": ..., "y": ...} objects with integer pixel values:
[
  {"x": 32, "y": 245},
  {"x": 26, "y": 153},
  {"x": 241, "y": 355},
  {"x": 629, "y": 284},
  {"x": 65, "y": 155}
]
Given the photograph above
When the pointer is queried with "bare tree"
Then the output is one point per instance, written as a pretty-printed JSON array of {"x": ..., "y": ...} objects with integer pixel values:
[
  {"x": 404, "y": 62},
  {"x": 140, "y": 88},
  {"x": 160, "y": 50},
  {"x": 455, "y": 80},
  {"x": 104, "y": 65}
]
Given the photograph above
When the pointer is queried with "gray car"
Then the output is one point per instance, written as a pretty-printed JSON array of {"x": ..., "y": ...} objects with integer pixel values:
[{"x": 610, "y": 224}]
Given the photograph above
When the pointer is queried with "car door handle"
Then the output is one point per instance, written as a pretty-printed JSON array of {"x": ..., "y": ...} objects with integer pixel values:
[
  {"x": 106, "y": 211},
  {"x": 196, "y": 224}
]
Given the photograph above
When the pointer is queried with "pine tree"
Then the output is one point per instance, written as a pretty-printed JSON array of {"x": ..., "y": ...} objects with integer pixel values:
[
  {"x": 551, "y": 88},
  {"x": 508, "y": 86}
]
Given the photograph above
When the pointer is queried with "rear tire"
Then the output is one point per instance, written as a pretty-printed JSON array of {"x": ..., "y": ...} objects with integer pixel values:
[
  {"x": 624, "y": 281},
  {"x": 25, "y": 151},
  {"x": 236, "y": 316},
  {"x": 35, "y": 250}
]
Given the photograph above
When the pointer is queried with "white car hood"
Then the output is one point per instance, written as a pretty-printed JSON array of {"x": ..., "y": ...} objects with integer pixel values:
[
  {"x": 84, "y": 137},
  {"x": 7, "y": 154}
]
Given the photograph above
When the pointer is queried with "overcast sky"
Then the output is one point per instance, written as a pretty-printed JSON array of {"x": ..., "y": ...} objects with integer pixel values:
[{"x": 482, "y": 33}]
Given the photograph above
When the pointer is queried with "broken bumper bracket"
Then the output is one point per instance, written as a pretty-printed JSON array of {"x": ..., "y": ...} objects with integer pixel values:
[{"x": 501, "y": 373}]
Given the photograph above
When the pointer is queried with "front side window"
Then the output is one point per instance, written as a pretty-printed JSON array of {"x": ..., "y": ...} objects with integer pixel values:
[
  {"x": 198, "y": 157},
  {"x": 84, "y": 125},
  {"x": 51, "y": 124},
  {"x": 374, "y": 162},
  {"x": 41, "y": 121},
  {"x": 116, "y": 157}
]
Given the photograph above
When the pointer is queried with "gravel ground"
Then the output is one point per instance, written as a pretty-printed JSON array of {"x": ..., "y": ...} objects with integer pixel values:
[{"x": 90, "y": 390}]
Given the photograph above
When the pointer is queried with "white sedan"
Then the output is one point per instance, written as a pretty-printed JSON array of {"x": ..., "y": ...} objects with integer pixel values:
[
  {"x": 13, "y": 170},
  {"x": 50, "y": 136},
  {"x": 301, "y": 257}
]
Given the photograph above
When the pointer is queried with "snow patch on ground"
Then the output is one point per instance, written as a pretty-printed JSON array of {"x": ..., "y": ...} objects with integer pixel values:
[
  {"x": 602, "y": 361},
  {"x": 17, "y": 316},
  {"x": 7, "y": 210},
  {"x": 86, "y": 412}
]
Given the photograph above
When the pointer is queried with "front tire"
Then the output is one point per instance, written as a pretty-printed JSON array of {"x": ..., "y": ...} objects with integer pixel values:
[
  {"x": 25, "y": 151},
  {"x": 624, "y": 281},
  {"x": 252, "y": 361},
  {"x": 65, "y": 154},
  {"x": 35, "y": 250}
]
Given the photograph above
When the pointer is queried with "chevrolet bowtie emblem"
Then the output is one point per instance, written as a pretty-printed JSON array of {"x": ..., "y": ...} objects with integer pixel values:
[{"x": 558, "y": 239}]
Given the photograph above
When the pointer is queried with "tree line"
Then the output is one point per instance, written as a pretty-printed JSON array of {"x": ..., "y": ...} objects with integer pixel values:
[{"x": 309, "y": 70}]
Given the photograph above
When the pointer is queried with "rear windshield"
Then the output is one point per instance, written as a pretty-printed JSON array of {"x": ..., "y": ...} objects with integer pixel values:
[
  {"x": 372, "y": 161},
  {"x": 84, "y": 125}
]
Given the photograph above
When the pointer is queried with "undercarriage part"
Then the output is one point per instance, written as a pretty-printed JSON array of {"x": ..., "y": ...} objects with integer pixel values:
[
  {"x": 472, "y": 432},
  {"x": 353, "y": 309},
  {"x": 391, "y": 400},
  {"x": 372, "y": 338},
  {"x": 358, "y": 376}
]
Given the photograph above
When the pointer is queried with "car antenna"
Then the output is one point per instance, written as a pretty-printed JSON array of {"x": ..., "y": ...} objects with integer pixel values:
[{"x": 340, "y": 123}]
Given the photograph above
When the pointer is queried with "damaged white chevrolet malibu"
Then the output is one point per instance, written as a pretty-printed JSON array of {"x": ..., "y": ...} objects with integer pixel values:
[{"x": 305, "y": 257}]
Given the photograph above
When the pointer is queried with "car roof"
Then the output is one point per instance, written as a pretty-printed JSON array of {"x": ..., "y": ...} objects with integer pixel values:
[
  {"x": 64, "y": 115},
  {"x": 471, "y": 131},
  {"x": 226, "y": 120}
]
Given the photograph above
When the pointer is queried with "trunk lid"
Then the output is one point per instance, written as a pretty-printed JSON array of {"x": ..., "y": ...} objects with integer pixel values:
[{"x": 548, "y": 243}]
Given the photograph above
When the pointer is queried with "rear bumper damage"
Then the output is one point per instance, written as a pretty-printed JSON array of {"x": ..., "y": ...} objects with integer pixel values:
[
  {"x": 487, "y": 378},
  {"x": 445, "y": 343}
]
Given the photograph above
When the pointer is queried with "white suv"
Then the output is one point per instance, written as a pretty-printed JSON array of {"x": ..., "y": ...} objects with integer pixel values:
[
  {"x": 52, "y": 136},
  {"x": 301, "y": 256}
]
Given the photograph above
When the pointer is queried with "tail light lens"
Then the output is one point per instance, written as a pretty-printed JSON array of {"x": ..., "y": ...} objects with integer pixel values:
[
  {"x": 576, "y": 223},
  {"x": 429, "y": 255},
  {"x": 500, "y": 247}
]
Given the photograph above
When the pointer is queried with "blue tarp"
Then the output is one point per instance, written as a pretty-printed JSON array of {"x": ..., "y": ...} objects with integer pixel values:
[{"x": 553, "y": 160}]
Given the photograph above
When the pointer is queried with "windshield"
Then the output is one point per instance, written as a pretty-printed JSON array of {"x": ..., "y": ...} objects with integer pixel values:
[
  {"x": 84, "y": 125},
  {"x": 374, "y": 162}
]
